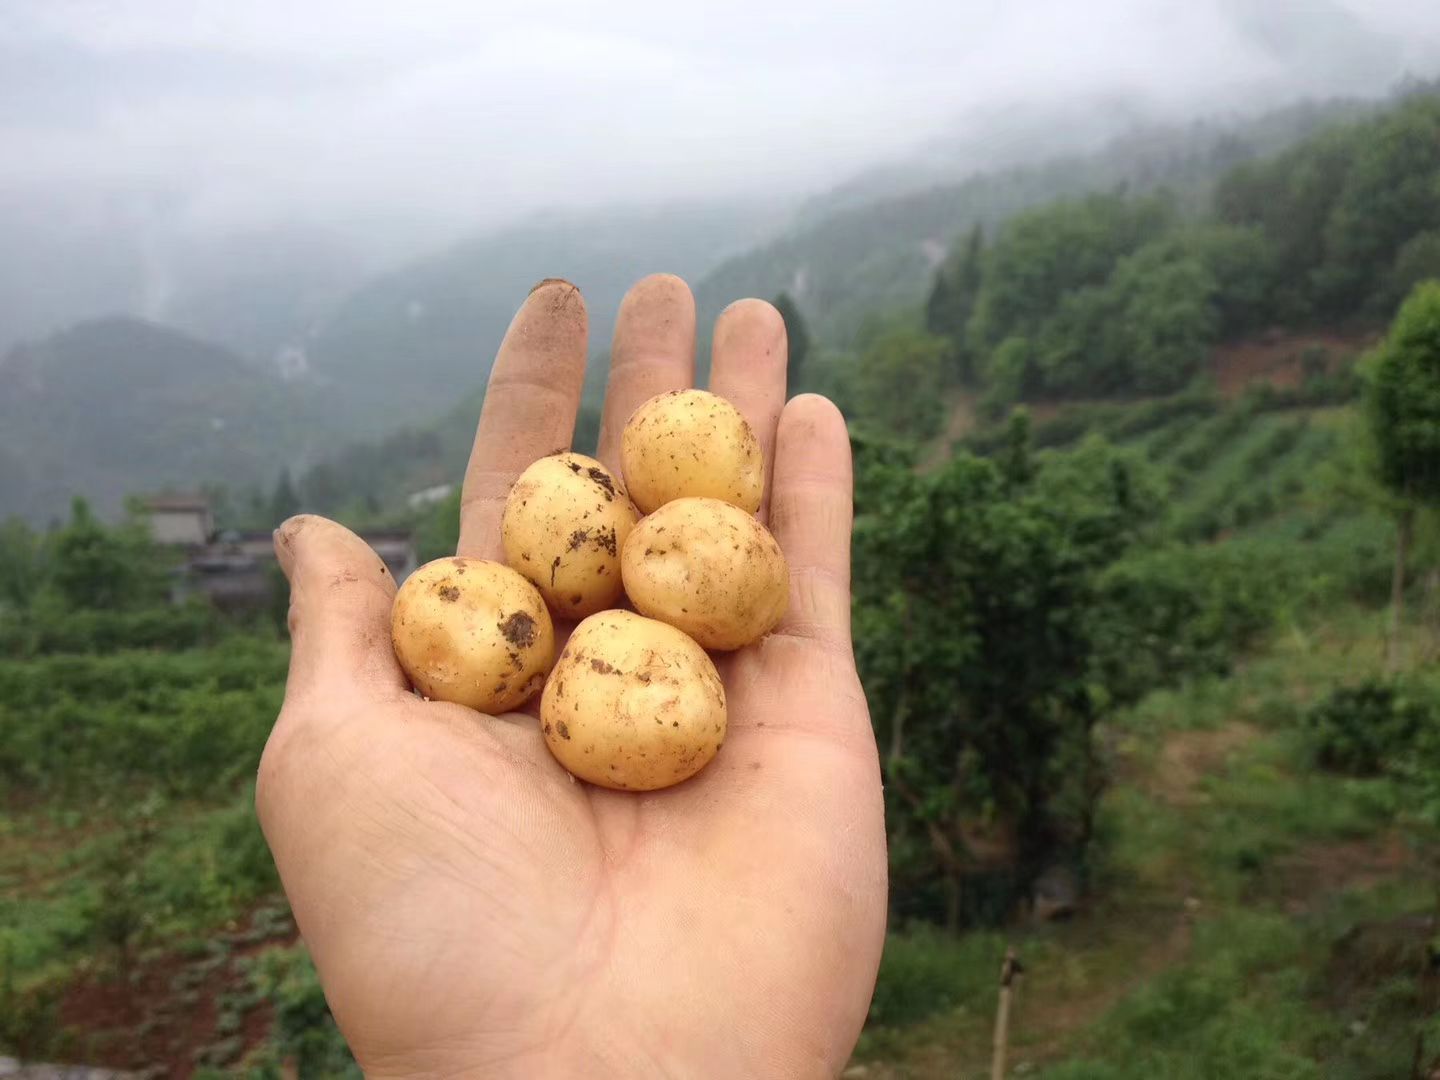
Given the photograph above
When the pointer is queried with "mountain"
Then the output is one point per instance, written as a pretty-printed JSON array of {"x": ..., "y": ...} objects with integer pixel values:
[
  {"x": 119, "y": 406},
  {"x": 252, "y": 291},
  {"x": 410, "y": 342},
  {"x": 847, "y": 265}
]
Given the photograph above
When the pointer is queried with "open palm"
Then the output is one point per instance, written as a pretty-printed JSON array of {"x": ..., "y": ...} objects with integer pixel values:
[{"x": 475, "y": 911}]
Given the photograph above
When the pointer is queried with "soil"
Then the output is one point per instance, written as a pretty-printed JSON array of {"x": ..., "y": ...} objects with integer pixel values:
[
  {"x": 1278, "y": 359},
  {"x": 159, "y": 1018}
]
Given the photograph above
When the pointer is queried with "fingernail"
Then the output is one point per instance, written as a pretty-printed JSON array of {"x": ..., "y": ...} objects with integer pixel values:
[{"x": 284, "y": 554}]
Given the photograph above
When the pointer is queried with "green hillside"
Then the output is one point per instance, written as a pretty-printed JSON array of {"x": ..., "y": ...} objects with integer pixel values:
[{"x": 879, "y": 255}]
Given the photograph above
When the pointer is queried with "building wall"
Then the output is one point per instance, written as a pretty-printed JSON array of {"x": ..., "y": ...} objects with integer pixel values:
[{"x": 180, "y": 526}]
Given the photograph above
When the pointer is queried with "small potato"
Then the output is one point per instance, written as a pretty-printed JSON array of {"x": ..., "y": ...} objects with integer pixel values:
[
  {"x": 632, "y": 704},
  {"x": 708, "y": 568},
  {"x": 472, "y": 632},
  {"x": 691, "y": 443},
  {"x": 563, "y": 526}
]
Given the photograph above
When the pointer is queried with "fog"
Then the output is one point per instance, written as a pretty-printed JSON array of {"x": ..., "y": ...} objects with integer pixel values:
[
  {"x": 151, "y": 149},
  {"x": 430, "y": 116}
]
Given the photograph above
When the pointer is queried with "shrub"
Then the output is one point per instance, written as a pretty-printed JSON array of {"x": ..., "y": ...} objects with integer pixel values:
[{"x": 1358, "y": 729}]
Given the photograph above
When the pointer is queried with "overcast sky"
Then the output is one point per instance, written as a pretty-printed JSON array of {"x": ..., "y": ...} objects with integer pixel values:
[{"x": 237, "y": 112}]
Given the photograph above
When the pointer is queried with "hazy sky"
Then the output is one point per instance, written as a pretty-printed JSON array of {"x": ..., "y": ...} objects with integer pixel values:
[{"x": 235, "y": 112}]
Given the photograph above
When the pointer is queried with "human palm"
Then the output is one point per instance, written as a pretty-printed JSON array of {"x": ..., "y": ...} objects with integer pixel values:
[{"x": 475, "y": 911}]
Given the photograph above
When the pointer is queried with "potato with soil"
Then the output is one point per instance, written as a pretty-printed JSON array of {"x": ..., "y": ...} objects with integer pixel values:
[
  {"x": 709, "y": 569},
  {"x": 563, "y": 526},
  {"x": 472, "y": 632},
  {"x": 691, "y": 443},
  {"x": 632, "y": 704}
]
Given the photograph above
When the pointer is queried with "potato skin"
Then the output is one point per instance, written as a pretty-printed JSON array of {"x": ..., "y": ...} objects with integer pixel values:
[
  {"x": 564, "y": 522},
  {"x": 473, "y": 632},
  {"x": 691, "y": 443},
  {"x": 709, "y": 569},
  {"x": 632, "y": 704}
]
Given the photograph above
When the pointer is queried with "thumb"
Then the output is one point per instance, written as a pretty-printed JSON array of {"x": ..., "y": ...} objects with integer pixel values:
[{"x": 340, "y": 598}]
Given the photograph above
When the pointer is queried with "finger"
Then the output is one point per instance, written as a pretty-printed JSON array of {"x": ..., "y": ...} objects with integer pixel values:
[
  {"x": 747, "y": 368},
  {"x": 811, "y": 515},
  {"x": 340, "y": 598},
  {"x": 529, "y": 408},
  {"x": 653, "y": 351}
]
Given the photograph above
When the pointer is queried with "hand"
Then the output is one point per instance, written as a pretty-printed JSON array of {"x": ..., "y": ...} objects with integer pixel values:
[{"x": 473, "y": 910}]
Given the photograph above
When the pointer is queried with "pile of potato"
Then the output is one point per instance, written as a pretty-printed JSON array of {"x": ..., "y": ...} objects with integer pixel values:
[{"x": 634, "y": 701}]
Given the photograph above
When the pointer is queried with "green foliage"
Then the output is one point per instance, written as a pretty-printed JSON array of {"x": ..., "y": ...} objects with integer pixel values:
[
  {"x": 20, "y": 564},
  {"x": 1358, "y": 728},
  {"x": 1403, "y": 398},
  {"x": 951, "y": 302},
  {"x": 183, "y": 721},
  {"x": 1178, "y": 610},
  {"x": 1236, "y": 1011},
  {"x": 798, "y": 338},
  {"x": 304, "y": 1031},
  {"x": 1040, "y": 257},
  {"x": 49, "y": 627},
  {"x": 92, "y": 567},
  {"x": 1417, "y": 260},
  {"x": 894, "y": 384},
  {"x": 438, "y": 533},
  {"x": 975, "y": 593},
  {"x": 924, "y": 971},
  {"x": 1338, "y": 210}
]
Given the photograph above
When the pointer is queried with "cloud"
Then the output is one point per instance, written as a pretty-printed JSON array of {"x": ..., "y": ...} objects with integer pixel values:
[{"x": 215, "y": 114}]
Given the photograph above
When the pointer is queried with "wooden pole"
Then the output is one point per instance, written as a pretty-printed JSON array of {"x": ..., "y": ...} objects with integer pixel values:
[{"x": 1008, "y": 972}]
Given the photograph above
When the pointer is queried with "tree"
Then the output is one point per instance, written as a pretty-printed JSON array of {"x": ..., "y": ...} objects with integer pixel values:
[
  {"x": 799, "y": 340},
  {"x": 975, "y": 590},
  {"x": 952, "y": 302},
  {"x": 20, "y": 563},
  {"x": 284, "y": 503},
  {"x": 895, "y": 384},
  {"x": 1403, "y": 403},
  {"x": 94, "y": 567},
  {"x": 1041, "y": 256}
]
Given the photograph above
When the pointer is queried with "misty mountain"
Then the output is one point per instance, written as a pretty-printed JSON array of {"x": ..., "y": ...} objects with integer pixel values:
[
  {"x": 253, "y": 291},
  {"x": 410, "y": 342},
  {"x": 994, "y": 139},
  {"x": 879, "y": 255},
  {"x": 119, "y": 406}
]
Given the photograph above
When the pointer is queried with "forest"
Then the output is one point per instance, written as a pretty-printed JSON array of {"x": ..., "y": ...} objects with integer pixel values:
[{"x": 1146, "y": 606}]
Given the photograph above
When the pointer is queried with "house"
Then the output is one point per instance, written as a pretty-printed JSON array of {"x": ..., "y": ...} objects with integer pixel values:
[
  {"x": 180, "y": 519},
  {"x": 237, "y": 571}
]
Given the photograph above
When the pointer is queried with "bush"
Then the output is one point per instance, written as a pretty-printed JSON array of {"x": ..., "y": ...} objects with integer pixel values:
[
  {"x": 1169, "y": 613},
  {"x": 1358, "y": 729},
  {"x": 184, "y": 722},
  {"x": 47, "y": 628}
]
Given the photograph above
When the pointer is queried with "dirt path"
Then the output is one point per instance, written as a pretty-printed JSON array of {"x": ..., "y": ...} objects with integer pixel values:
[{"x": 960, "y": 413}]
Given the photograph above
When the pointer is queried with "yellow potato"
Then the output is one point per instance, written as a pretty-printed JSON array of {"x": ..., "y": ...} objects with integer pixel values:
[
  {"x": 563, "y": 526},
  {"x": 691, "y": 443},
  {"x": 472, "y": 632},
  {"x": 632, "y": 704},
  {"x": 708, "y": 568}
]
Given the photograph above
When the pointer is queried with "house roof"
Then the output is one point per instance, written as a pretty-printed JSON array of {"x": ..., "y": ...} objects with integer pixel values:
[{"x": 177, "y": 502}]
